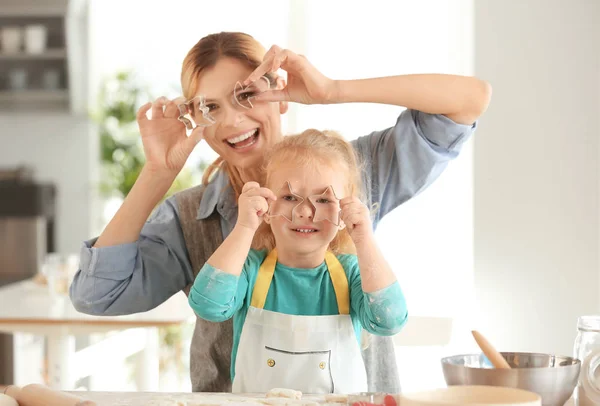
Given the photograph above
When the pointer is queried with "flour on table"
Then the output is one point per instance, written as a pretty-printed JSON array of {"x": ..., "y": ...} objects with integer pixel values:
[
  {"x": 275, "y": 397},
  {"x": 222, "y": 400},
  {"x": 288, "y": 402},
  {"x": 155, "y": 402},
  {"x": 207, "y": 401},
  {"x": 193, "y": 400},
  {"x": 241, "y": 403}
]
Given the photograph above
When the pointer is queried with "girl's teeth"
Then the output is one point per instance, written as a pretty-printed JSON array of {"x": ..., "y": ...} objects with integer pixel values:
[
  {"x": 306, "y": 231},
  {"x": 241, "y": 137}
]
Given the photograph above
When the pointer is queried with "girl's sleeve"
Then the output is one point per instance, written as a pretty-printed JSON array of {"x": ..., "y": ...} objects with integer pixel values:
[
  {"x": 217, "y": 295},
  {"x": 383, "y": 312}
]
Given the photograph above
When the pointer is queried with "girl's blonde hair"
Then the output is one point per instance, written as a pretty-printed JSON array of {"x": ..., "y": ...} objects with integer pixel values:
[
  {"x": 314, "y": 147},
  {"x": 205, "y": 55}
]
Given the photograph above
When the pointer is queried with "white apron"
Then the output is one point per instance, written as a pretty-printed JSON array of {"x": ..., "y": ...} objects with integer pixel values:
[{"x": 312, "y": 354}]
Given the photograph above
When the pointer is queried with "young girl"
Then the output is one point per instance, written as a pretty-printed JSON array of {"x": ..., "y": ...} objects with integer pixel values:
[{"x": 313, "y": 279}]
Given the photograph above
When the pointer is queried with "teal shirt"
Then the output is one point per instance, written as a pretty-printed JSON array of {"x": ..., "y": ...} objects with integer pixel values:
[{"x": 217, "y": 296}]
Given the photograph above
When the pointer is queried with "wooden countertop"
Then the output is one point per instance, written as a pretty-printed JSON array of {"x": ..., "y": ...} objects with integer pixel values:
[
  {"x": 171, "y": 399},
  {"x": 168, "y": 399}
]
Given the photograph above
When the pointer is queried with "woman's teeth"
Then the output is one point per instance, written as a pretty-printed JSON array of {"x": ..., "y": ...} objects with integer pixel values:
[
  {"x": 305, "y": 230},
  {"x": 243, "y": 140}
]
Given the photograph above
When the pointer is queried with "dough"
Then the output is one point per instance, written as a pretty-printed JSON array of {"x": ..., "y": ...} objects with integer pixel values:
[
  {"x": 164, "y": 402},
  {"x": 284, "y": 393},
  {"x": 336, "y": 398},
  {"x": 6, "y": 400}
]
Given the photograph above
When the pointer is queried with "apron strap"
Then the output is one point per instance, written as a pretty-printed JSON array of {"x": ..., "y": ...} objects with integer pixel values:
[
  {"x": 263, "y": 280},
  {"x": 336, "y": 273},
  {"x": 339, "y": 281}
]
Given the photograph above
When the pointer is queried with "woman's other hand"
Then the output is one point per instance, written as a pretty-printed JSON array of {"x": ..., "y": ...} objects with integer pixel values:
[
  {"x": 305, "y": 84},
  {"x": 166, "y": 145}
]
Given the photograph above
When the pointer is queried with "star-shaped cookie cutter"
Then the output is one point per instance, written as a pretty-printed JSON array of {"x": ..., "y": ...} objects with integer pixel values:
[
  {"x": 187, "y": 110},
  {"x": 291, "y": 192},
  {"x": 320, "y": 213},
  {"x": 250, "y": 92},
  {"x": 329, "y": 193}
]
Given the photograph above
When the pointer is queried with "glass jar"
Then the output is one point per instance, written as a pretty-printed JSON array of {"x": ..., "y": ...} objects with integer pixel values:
[
  {"x": 587, "y": 350},
  {"x": 59, "y": 271}
]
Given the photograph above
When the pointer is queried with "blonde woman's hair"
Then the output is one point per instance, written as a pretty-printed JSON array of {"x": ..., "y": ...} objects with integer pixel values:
[
  {"x": 309, "y": 148},
  {"x": 205, "y": 55}
]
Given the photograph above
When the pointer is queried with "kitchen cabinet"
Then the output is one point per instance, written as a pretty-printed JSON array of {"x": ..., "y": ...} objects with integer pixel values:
[{"x": 43, "y": 55}]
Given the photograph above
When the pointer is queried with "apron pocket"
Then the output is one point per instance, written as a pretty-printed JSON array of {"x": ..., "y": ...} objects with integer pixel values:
[{"x": 306, "y": 371}]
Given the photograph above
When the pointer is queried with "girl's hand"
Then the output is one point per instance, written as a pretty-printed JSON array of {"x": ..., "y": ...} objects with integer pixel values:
[
  {"x": 357, "y": 218},
  {"x": 253, "y": 205},
  {"x": 166, "y": 144},
  {"x": 305, "y": 85}
]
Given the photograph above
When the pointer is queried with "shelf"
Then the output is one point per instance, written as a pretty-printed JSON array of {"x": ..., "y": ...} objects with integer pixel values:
[
  {"x": 22, "y": 12},
  {"x": 48, "y": 54},
  {"x": 66, "y": 53},
  {"x": 33, "y": 8},
  {"x": 34, "y": 99},
  {"x": 33, "y": 95}
]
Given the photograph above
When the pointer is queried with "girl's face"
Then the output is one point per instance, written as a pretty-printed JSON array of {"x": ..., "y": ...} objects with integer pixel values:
[
  {"x": 305, "y": 234},
  {"x": 240, "y": 136}
]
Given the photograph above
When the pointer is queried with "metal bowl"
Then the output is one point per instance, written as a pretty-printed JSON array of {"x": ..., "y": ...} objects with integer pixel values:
[{"x": 552, "y": 377}]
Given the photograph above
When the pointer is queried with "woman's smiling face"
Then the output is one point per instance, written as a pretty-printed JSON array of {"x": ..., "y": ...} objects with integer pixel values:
[{"x": 241, "y": 136}]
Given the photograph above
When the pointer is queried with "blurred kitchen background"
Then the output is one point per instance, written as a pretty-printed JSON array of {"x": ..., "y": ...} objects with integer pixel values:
[{"x": 506, "y": 241}]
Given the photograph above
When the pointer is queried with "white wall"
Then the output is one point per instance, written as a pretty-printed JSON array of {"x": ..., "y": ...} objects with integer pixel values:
[
  {"x": 536, "y": 183},
  {"x": 57, "y": 146}
]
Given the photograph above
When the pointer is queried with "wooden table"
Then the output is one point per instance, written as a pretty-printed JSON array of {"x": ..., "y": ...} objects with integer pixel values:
[
  {"x": 28, "y": 307},
  {"x": 155, "y": 399}
]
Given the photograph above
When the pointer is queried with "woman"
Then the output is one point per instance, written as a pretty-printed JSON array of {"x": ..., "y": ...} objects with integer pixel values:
[{"x": 137, "y": 263}]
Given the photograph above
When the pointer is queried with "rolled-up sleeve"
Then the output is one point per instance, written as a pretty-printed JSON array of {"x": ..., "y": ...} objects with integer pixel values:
[
  {"x": 217, "y": 295},
  {"x": 384, "y": 312},
  {"x": 401, "y": 161},
  {"x": 137, "y": 276}
]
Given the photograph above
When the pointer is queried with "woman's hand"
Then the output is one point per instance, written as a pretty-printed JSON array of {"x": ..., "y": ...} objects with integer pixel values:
[
  {"x": 357, "y": 218},
  {"x": 166, "y": 145},
  {"x": 253, "y": 205},
  {"x": 305, "y": 84}
]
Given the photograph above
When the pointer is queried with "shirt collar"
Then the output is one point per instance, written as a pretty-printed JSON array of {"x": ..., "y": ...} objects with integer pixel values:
[{"x": 219, "y": 195}]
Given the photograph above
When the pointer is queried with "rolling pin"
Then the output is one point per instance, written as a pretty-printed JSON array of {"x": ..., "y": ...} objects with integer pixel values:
[
  {"x": 40, "y": 395},
  {"x": 490, "y": 352}
]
